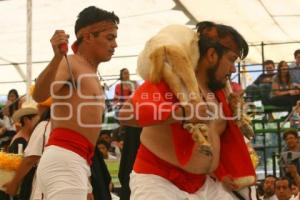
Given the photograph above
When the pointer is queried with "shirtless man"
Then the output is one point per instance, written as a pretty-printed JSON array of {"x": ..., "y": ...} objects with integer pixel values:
[
  {"x": 169, "y": 164},
  {"x": 77, "y": 108}
]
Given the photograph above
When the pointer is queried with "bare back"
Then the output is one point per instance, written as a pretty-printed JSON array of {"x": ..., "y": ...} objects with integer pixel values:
[{"x": 80, "y": 109}]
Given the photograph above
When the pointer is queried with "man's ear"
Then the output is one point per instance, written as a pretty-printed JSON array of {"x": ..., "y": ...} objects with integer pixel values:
[{"x": 212, "y": 56}]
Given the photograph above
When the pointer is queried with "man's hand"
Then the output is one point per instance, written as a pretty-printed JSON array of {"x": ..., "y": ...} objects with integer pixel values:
[
  {"x": 293, "y": 92},
  {"x": 11, "y": 188},
  {"x": 228, "y": 183},
  {"x": 236, "y": 99},
  {"x": 90, "y": 196},
  {"x": 59, "y": 38}
]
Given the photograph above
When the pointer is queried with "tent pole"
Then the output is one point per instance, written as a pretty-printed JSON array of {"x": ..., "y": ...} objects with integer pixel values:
[
  {"x": 28, "y": 48},
  {"x": 263, "y": 56}
]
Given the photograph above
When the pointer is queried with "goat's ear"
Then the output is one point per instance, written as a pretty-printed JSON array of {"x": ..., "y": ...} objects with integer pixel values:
[{"x": 157, "y": 59}]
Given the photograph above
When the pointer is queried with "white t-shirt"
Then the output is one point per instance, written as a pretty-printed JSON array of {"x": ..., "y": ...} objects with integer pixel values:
[
  {"x": 295, "y": 197},
  {"x": 8, "y": 123},
  {"x": 35, "y": 144}
]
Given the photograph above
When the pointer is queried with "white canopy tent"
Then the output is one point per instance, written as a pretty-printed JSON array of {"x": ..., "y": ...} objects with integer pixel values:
[{"x": 258, "y": 20}]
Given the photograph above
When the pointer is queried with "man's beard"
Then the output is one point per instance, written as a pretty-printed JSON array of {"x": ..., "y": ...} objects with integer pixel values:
[{"x": 212, "y": 83}]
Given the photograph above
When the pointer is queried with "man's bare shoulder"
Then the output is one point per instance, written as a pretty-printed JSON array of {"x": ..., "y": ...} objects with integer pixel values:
[{"x": 77, "y": 63}]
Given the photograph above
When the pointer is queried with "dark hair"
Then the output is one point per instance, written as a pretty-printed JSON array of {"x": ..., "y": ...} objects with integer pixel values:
[
  {"x": 290, "y": 132},
  {"x": 92, "y": 15},
  {"x": 15, "y": 105},
  {"x": 283, "y": 179},
  {"x": 293, "y": 183},
  {"x": 268, "y": 62},
  {"x": 22, "y": 120},
  {"x": 104, "y": 143},
  {"x": 121, "y": 72},
  {"x": 296, "y": 52},
  {"x": 271, "y": 176},
  {"x": 280, "y": 64},
  {"x": 106, "y": 132},
  {"x": 223, "y": 31}
]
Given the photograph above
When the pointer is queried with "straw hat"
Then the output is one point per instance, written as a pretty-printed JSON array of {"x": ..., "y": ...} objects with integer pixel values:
[{"x": 27, "y": 108}]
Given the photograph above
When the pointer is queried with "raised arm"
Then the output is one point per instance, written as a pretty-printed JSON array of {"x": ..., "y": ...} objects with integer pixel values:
[{"x": 55, "y": 71}]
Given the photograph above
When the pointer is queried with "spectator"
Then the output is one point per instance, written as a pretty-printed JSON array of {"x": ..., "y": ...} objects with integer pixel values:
[
  {"x": 295, "y": 118},
  {"x": 26, "y": 171},
  {"x": 103, "y": 147},
  {"x": 131, "y": 134},
  {"x": 295, "y": 191},
  {"x": 269, "y": 188},
  {"x": 105, "y": 135},
  {"x": 125, "y": 88},
  {"x": 26, "y": 116},
  {"x": 8, "y": 128},
  {"x": 283, "y": 91},
  {"x": 295, "y": 68},
  {"x": 283, "y": 189},
  {"x": 262, "y": 86},
  {"x": 292, "y": 145}
]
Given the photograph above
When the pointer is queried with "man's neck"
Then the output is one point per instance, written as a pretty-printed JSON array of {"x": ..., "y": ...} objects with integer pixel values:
[
  {"x": 91, "y": 62},
  {"x": 295, "y": 148},
  {"x": 267, "y": 196}
]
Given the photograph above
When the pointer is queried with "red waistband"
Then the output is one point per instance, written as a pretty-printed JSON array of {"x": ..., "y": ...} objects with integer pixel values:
[
  {"x": 148, "y": 163},
  {"x": 73, "y": 141}
]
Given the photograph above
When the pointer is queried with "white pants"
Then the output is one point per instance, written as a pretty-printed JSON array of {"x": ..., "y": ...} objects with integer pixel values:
[
  {"x": 63, "y": 175},
  {"x": 152, "y": 187}
]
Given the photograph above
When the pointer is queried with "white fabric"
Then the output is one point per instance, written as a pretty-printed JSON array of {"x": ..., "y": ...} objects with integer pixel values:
[
  {"x": 63, "y": 175},
  {"x": 8, "y": 123},
  {"x": 35, "y": 148},
  {"x": 111, "y": 157},
  {"x": 273, "y": 197},
  {"x": 152, "y": 187},
  {"x": 35, "y": 144},
  {"x": 248, "y": 193},
  {"x": 295, "y": 197}
]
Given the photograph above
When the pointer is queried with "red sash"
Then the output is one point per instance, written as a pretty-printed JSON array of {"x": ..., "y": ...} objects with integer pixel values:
[
  {"x": 73, "y": 141},
  {"x": 148, "y": 163}
]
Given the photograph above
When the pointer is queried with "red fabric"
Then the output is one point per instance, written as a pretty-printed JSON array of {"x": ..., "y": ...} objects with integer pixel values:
[
  {"x": 122, "y": 96},
  {"x": 72, "y": 141},
  {"x": 234, "y": 158},
  {"x": 153, "y": 103},
  {"x": 236, "y": 87},
  {"x": 161, "y": 105},
  {"x": 74, "y": 47},
  {"x": 231, "y": 163},
  {"x": 148, "y": 163}
]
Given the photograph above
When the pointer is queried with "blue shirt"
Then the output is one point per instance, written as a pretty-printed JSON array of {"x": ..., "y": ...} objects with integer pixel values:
[{"x": 294, "y": 70}]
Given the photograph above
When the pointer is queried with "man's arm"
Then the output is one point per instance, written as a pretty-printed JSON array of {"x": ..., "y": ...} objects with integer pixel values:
[
  {"x": 25, "y": 166},
  {"x": 292, "y": 169},
  {"x": 258, "y": 80},
  {"x": 55, "y": 71}
]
